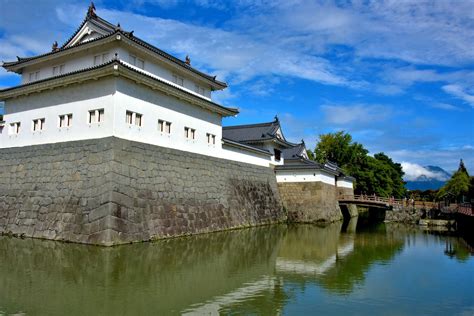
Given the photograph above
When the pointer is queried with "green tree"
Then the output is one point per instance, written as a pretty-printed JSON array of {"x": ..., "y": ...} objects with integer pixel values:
[
  {"x": 378, "y": 174},
  {"x": 458, "y": 186}
]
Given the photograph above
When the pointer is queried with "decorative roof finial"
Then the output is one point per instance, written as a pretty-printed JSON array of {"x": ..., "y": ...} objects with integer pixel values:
[
  {"x": 302, "y": 141},
  {"x": 55, "y": 46},
  {"x": 188, "y": 60},
  {"x": 118, "y": 25},
  {"x": 91, "y": 10},
  {"x": 276, "y": 118}
]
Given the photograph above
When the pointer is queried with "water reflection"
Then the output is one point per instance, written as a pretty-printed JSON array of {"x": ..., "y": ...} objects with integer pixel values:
[
  {"x": 251, "y": 271},
  {"x": 336, "y": 261}
]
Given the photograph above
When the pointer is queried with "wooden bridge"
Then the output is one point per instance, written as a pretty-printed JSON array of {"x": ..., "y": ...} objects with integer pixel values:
[
  {"x": 370, "y": 201},
  {"x": 466, "y": 209},
  {"x": 392, "y": 203}
]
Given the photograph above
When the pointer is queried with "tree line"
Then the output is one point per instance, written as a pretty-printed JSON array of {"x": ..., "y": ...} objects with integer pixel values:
[
  {"x": 382, "y": 176},
  {"x": 378, "y": 175}
]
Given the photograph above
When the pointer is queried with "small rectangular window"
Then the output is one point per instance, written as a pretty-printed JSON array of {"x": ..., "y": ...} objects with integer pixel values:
[
  {"x": 200, "y": 90},
  {"x": 100, "y": 116},
  {"x": 65, "y": 120},
  {"x": 178, "y": 80},
  {"x": 164, "y": 126},
  {"x": 34, "y": 76},
  {"x": 133, "y": 118},
  {"x": 128, "y": 117},
  {"x": 15, "y": 128},
  {"x": 135, "y": 61},
  {"x": 140, "y": 63},
  {"x": 211, "y": 139},
  {"x": 38, "y": 125},
  {"x": 138, "y": 119},
  {"x": 189, "y": 133},
  {"x": 277, "y": 155},
  {"x": 97, "y": 60},
  {"x": 92, "y": 117},
  {"x": 96, "y": 116},
  {"x": 58, "y": 70}
]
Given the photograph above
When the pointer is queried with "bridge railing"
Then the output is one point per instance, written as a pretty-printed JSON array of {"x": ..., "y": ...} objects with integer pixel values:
[
  {"x": 466, "y": 209},
  {"x": 389, "y": 201},
  {"x": 370, "y": 198}
]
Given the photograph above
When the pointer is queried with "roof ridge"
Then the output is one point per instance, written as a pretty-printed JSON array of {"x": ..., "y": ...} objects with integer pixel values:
[
  {"x": 250, "y": 125},
  {"x": 161, "y": 52}
]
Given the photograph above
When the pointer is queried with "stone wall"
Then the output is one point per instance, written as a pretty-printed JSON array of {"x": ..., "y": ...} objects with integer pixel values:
[
  {"x": 404, "y": 215},
  {"x": 310, "y": 202},
  {"x": 350, "y": 208},
  {"x": 345, "y": 191},
  {"x": 111, "y": 191}
]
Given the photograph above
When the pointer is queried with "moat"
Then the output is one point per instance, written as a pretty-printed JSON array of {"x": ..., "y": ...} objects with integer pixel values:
[{"x": 290, "y": 270}]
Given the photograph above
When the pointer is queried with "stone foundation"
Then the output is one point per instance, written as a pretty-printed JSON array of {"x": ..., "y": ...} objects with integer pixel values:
[
  {"x": 351, "y": 208},
  {"x": 112, "y": 191},
  {"x": 310, "y": 202},
  {"x": 404, "y": 215}
]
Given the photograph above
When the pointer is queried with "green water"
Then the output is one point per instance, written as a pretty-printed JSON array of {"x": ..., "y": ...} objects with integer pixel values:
[{"x": 289, "y": 270}]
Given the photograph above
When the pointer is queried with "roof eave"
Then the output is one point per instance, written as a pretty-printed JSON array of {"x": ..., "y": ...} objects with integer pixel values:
[
  {"x": 116, "y": 68},
  {"x": 17, "y": 66},
  {"x": 233, "y": 143}
]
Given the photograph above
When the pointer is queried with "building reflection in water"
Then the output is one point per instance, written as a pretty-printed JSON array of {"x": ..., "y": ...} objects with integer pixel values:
[{"x": 244, "y": 270}]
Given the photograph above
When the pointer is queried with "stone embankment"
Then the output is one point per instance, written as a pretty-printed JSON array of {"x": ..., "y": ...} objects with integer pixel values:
[
  {"x": 404, "y": 215},
  {"x": 310, "y": 202},
  {"x": 112, "y": 191}
]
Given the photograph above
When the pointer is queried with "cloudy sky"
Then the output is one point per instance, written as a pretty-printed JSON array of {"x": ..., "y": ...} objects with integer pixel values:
[{"x": 397, "y": 75}]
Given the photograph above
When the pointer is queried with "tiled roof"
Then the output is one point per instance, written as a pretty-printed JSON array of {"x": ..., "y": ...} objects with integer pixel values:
[
  {"x": 251, "y": 132},
  {"x": 128, "y": 35},
  {"x": 245, "y": 146},
  {"x": 118, "y": 62},
  {"x": 304, "y": 164},
  {"x": 293, "y": 152}
]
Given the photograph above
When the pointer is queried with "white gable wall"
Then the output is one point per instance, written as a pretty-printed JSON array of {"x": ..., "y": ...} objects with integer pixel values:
[
  {"x": 76, "y": 100},
  {"x": 305, "y": 176},
  {"x": 79, "y": 61},
  {"x": 242, "y": 155},
  {"x": 85, "y": 59},
  {"x": 344, "y": 183},
  {"x": 154, "y": 105}
]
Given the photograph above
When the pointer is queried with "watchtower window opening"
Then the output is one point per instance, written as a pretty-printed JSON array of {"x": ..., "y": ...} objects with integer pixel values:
[{"x": 277, "y": 154}]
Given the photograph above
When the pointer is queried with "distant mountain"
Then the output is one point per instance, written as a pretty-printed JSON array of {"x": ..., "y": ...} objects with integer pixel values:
[{"x": 434, "y": 179}]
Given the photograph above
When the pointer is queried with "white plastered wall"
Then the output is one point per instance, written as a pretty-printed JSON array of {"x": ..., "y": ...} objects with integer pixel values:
[
  {"x": 305, "y": 176},
  {"x": 116, "y": 96},
  {"x": 343, "y": 183},
  {"x": 242, "y": 155},
  {"x": 76, "y": 100},
  {"x": 154, "y": 106},
  {"x": 85, "y": 59}
]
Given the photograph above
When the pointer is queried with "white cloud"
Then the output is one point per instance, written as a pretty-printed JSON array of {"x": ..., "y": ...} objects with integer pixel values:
[
  {"x": 446, "y": 158},
  {"x": 359, "y": 113},
  {"x": 445, "y": 106},
  {"x": 413, "y": 171},
  {"x": 460, "y": 93}
]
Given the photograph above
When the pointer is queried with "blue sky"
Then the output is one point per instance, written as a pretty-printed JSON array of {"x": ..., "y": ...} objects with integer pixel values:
[{"x": 397, "y": 75}]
